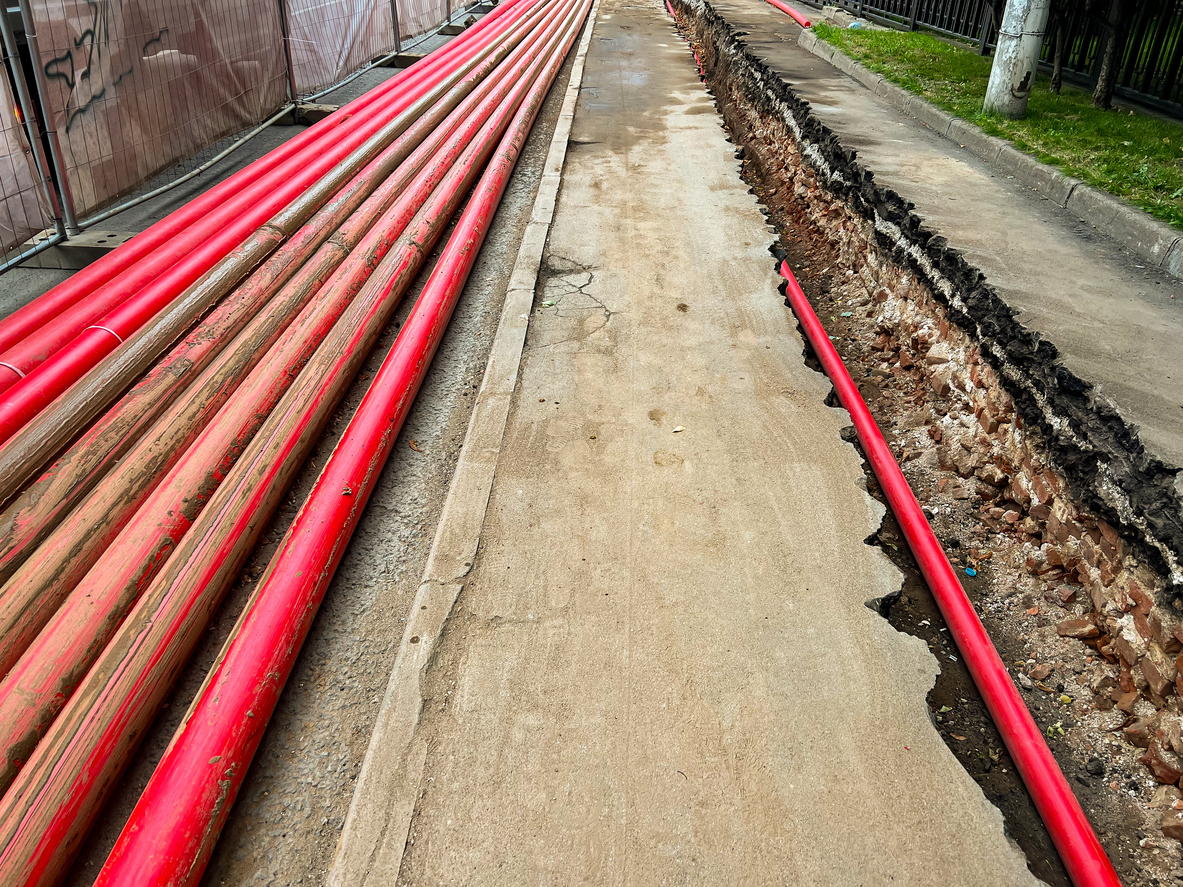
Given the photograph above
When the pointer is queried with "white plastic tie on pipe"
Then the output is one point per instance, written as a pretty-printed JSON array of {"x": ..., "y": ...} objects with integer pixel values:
[{"x": 95, "y": 326}]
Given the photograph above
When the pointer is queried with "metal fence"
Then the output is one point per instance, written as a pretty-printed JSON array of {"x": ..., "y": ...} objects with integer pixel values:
[
  {"x": 967, "y": 19},
  {"x": 125, "y": 89},
  {"x": 1150, "y": 57},
  {"x": 25, "y": 208},
  {"x": 330, "y": 39},
  {"x": 131, "y": 88}
]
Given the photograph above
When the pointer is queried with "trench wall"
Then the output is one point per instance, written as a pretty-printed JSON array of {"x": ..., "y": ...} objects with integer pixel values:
[{"x": 1052, "y": 459}]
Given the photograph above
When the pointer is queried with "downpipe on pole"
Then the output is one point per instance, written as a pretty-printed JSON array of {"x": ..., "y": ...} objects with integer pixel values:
[{"x": 1016, "y": 58}]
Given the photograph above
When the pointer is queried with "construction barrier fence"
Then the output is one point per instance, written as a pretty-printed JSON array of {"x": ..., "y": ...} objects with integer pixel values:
[
  {"x": 24, "y": 209},
  {"x": 127, "y": 89}
]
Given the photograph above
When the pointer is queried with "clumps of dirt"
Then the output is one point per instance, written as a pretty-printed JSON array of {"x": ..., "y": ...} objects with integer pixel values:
[
  {"x": 1068, "y": 532},
  {"x": 1110, "y": 470},
  {"x": 975, "y": 486}
]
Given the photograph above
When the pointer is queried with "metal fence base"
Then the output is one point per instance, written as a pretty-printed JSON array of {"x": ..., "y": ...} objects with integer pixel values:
[{"x": 73, "y": 254}]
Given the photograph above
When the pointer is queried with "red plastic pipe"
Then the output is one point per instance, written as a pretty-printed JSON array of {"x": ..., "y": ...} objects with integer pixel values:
[
  {"x": 48, "y": 809},
  {"x": 175, "y": 264},
  {"x": 44, "y": 676},
  {"x": 37, "y": 313},
  {"x": 175, "y": 825},
  {"x": 31, "y": 435},
  {"x": 1082, "y": 853},
  {"x": 790, "y": 12},
  {"x": 217, "y": 234},
  {"x": 25, "y": 523}
]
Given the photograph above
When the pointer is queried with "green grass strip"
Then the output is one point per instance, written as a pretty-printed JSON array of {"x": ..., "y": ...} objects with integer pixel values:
[{"x": 1133, "y": 156}]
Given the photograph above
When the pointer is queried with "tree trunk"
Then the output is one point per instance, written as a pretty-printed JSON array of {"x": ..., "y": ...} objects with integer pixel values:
[
  {"x": 1110, "y": 61},
  {"x": 1058, "y": 60}
]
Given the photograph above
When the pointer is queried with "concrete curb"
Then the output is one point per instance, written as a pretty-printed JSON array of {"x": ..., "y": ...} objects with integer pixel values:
[
  {"x": 376, "y": 828},
  {"x": 1140, "y": 233}
]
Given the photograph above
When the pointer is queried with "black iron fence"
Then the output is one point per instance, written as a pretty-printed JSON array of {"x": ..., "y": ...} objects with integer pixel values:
[
  {"x": 966, "y": 19},
  {"x": 1151, "y": 56}
]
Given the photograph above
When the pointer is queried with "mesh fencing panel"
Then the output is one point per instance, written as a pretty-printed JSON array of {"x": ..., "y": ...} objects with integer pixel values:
[
  {"x": 417, "y": 16},
  {"x": 133, "y": 86},
  {"x": 141, "y": 92},
  {"x": 330, "y": 39},
  {"x": 23, "y": 212}
]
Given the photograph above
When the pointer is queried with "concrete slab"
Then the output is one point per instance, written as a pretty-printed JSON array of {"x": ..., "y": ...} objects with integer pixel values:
[
  {"x": 1111, "y": 313},
  {"x": 661, "y": 668},
  {"x": 78, "y": 251}
]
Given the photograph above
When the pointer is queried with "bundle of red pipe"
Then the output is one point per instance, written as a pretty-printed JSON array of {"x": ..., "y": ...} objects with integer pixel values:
[{"x": 222, "y": 339}]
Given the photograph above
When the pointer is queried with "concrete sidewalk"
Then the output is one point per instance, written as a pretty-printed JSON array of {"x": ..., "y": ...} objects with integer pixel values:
[
  {"x": 660, "y": 667},
  {"x": 1108, "y": 311}
]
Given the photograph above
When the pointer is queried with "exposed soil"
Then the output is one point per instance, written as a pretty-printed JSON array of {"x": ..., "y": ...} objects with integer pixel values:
[{"x": 973, "y": 452}]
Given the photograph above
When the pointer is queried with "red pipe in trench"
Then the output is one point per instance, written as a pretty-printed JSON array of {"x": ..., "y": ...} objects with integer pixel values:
[
  {"x": 174, "y": 826},
  {"x": 1082, "y": 853}
]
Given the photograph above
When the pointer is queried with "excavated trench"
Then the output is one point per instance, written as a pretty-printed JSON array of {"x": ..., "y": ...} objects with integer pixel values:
[{"x": 1067, "y": 532}]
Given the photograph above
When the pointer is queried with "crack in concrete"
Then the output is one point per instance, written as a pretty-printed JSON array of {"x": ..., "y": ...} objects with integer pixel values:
[{"x": 562, "y": 273}]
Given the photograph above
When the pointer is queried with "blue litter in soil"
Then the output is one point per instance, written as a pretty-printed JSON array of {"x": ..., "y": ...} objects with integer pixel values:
[{"x": 970, "y": 571}]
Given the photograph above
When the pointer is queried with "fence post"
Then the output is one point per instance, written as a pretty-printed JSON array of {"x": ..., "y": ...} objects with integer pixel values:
[
  {"x": 398, "y": 39},
  {"x": 912, "y": 15},
  {"x": 287, "y": 48},
  {"x": 55, "y": 148},
  {"x": 29, "y": 115},
  {"x": 987, "y": 19}
]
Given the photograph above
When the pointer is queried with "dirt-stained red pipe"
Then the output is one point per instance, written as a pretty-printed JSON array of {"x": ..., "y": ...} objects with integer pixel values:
[
  {"x": 43, "y": 504},
  {"x": 31, "y": 435},
  {"x": 51, "y": 360},
  {"x": 1082, "y": 853},
  {"x": 175, "y": 825},
  {"x": 37, "y": 313},
  {"x": 47, "y": 810},
  {"x": 43, "y": 678},
  {"x": 181, "y": 260}
]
